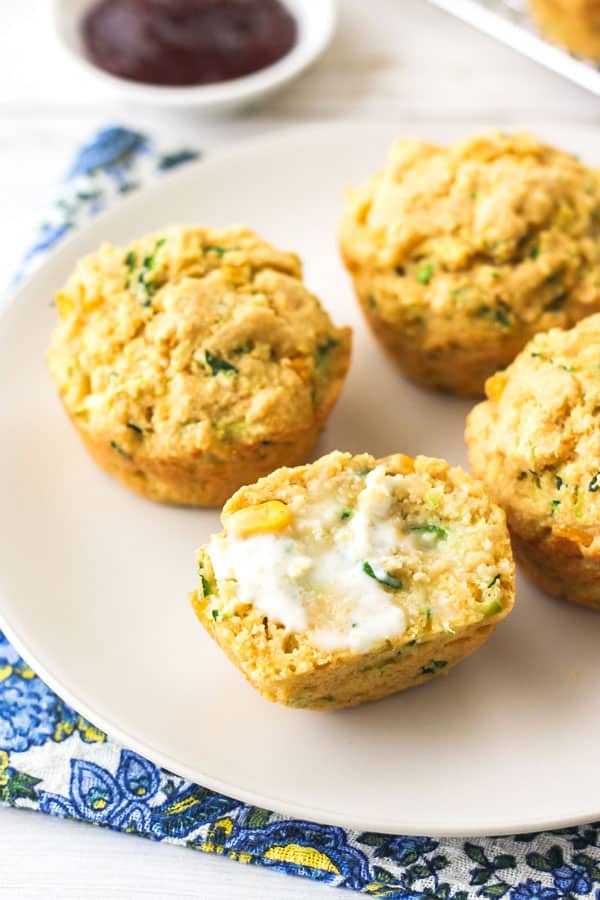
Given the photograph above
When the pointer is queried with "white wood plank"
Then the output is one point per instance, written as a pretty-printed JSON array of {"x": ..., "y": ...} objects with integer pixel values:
[{"x": 59, "y": 860}]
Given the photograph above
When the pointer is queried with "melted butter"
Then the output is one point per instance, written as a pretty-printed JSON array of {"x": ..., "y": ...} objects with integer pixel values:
[
  {"x": 325, "y": 591},
  {"x": 351, "y": 610},
  {"x": 371, "y": 532},
  {"x": 312, "y": 578},
  {"x": 367, "y": 613},
  {"x": 267, "y": 569}
]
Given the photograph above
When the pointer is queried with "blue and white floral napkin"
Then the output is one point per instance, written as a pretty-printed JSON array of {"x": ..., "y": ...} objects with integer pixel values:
[{"x": 54, "y": 761}]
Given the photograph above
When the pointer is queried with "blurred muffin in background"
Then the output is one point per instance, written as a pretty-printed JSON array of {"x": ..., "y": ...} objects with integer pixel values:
[
  {"x": 460, "y": 254},
  {"x": 574, "y": 24},
  {"x": 195, "y": 360}
]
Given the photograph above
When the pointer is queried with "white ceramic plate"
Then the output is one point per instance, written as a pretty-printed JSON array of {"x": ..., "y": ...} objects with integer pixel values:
[
  {"x": 316, "y": 21},
  {"x": 94, "y": 580}
]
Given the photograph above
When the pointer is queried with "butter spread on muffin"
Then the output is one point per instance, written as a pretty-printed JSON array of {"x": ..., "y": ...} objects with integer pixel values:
[
  {"x": 351, "y": 578},
  {"x": 536, "y": 444},
  {"x": 194, "y": 361},
  {"x": 460, "y": 254}
]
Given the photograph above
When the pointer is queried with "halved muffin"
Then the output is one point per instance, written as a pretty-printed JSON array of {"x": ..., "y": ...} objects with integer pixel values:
[
  {"x": 352, "y": 578},
  {"x": 535, "y": 443},
  {"x": 460, "y": 254},
  {"x": 194, "y": 361}
]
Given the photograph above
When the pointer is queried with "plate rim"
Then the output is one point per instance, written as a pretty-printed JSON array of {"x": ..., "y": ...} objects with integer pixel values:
[{"x": 120, "y": 733}]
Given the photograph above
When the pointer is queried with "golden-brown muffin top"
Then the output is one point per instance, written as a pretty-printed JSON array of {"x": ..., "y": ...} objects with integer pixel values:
[
  {"x": 543, "y": 419},
  {"x": 192, "y": 338},
  {"x": 499, "y": 227}
]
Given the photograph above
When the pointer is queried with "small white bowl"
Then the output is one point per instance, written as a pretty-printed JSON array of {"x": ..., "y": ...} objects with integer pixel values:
[{"x": 316, "y": 21}]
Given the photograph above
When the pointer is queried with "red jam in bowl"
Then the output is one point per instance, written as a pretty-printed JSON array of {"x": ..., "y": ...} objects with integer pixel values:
[{"x": 187, "y": 42}]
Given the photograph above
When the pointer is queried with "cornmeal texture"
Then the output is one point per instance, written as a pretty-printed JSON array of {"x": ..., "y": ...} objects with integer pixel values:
[
  {"x": 535, "y": 443},
  {"x": 460, "y": 254},
  {"x": 449, "y": 570},
  {"x": 195, "y": 360}
]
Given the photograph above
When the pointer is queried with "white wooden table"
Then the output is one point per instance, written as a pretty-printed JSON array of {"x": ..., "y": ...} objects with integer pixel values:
[{"x": 391, "y": 59}]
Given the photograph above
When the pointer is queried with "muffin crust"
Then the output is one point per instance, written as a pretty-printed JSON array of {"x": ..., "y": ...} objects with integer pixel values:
[
  {"x": 460, "y": 254},
  {"x": 536, "y": 445},
  {"x": 195, "y": 360}
]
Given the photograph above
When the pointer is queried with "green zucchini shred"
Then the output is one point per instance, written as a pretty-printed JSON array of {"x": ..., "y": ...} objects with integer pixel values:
[
  {"x": 220, "y": 251},
  {"x": 117, "y": 447},
  {"x": 434, "y": 666},
  {"x": 386, "y": 578},
  {"x": 425, "y": 272},
  {"x": 436, "y": 531},
  {"x": 217, "y": 364},
  {"x": 322, "y": 357},
  {"x": 207, "y": 588}
]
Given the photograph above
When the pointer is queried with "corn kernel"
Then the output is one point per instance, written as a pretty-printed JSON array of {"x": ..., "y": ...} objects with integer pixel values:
[
  {"x": 64, "y": 304},
  {"x": 271, "y": 516},
  {"x": 494, "y": 386},
  {"x": 399, "y": 464},
  {"x": 575, "y": 535},
  {"x": 407, "y": 463},
  {"x": 301, "y": 367}
]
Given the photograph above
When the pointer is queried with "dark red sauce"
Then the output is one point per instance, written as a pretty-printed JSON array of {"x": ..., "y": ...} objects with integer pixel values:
[{"x": 187, "y": 42}]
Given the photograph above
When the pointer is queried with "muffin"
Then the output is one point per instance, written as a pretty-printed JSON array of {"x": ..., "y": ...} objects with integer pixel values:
[
  {"x": 352, "y": 578},
  {"x": 573, "y": 24},
  {"x": 460, "y": 254},
  {"x": 535, "y": 443},
  {"x": 194, "y": 361}
]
